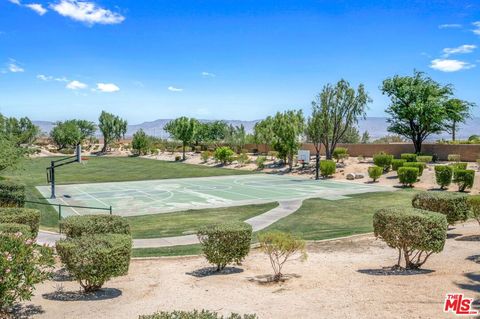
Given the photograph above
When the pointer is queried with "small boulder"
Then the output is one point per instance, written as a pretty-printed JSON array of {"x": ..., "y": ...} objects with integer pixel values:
[
  {"x": 351, "y": 176},
  {"x": 359, "y": 175}
]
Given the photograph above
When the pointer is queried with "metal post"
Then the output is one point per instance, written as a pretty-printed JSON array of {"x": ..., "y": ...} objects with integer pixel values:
[
  {"x": 59, "y": 218},
  {"x": 52, "y": 177},
  {"x": 110, "y": 210}
]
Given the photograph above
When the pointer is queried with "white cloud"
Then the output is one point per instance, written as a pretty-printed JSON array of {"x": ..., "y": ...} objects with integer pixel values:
[
  {"x": 450, "y": 26},
  {"x": 208, "y": 75},
  {"x": 17, "y": 2},
  {"x": 14, "y": 67},
  {"x": 477, "y": 26},
  {"x": 447, "y": 65},
  {"x": 87, "y": 12},
  {"x": 174, "y": 89},
  {"x": 51, "y": 78},
  {"x": 38, "y": 8},
  {"x": 466, "y": 48},
  {"x": 76, "y": 85},
  {"x": 107, "y": 87}
]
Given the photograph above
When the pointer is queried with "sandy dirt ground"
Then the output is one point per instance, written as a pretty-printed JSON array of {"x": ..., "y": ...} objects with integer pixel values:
[{"x": 340, "y": 279}]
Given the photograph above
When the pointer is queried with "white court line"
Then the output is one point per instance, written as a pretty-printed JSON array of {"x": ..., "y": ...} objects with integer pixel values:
[
  {"x": 70, "y": 207},
  {"x": 221, "y": 190},
  {"x": 88, "y": 194}
]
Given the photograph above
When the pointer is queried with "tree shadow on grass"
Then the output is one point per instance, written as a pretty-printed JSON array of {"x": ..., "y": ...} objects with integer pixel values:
[
  {"x": 212, "y": 271},
  {"x": 102, "y": 294},
  {"x": 394, "y": 271},
  {"x": 469, "y": 238},
  {"x": 25, "y": 311}
]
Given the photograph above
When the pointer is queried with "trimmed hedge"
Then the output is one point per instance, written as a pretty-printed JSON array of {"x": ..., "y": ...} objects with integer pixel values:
[
  {"x": 76, "y": 226},
  {"x": 225, "y": 243},
  {"x": 397, "y": 163},
  {"x": 18, "y": 215},
  {"x": 415, "y": 233},
  {"x": 327, "y": 168},
  {"x": 459, "y": 165},
  {"x": 418, "y": 165},
  {"x": 443, "y": 175},
  {"x": 12, "y": 194},
  {"x": 12, "y": 228},
  {"x": 408, "y": 175},
  {"x": 409, "y": 157},
  {"x": 425, "y": 159},
  {"x": 383, "y": 160},
  {"x": 374, "y": 172},
  {"x": 92, "y": 260},
  {"x": 454, "y": 157},
  {"x": 453, "y": 205},
  {"x": 464, "y": 178},
  {"x": 195, "y": 314}
]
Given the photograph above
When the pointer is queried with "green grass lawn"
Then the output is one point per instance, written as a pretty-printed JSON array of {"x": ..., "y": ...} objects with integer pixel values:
[
  {"x": 168, "y": 251},
  {"x": 188, "y": 222},
  {"x": 102, "y": 169},
  {"x": 323, "y": 219}
]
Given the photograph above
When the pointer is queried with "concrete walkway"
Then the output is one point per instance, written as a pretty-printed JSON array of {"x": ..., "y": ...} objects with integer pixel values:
[{"x": 259, "y": 222}]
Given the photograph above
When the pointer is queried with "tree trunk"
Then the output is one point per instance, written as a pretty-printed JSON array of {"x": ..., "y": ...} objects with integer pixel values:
[
  {"x": 454, "y": 128},
  {"x": 417, "y": 143},
  {"x": 183, "y": 151},
  {"x": 317, "y": 165},
  {"x": 105, "y": 144},
  {"x": 328, "y": 152}
]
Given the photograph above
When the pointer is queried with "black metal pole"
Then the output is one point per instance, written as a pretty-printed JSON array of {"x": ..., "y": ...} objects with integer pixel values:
[{"x": 52, "y": 177}]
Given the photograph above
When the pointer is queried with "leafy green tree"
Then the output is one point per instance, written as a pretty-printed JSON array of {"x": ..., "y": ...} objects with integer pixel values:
[
  {"x": 182, "y": 129},
  {"x": 236, "y": 137},
  {"x": 351, "y": 136},
  {"x": 211, "y": 132},
  {"x": 365, "y": 138},
  {"x": 458, "y": 111},
  {"x": 417, "y": 108},
  {"x": 72, "y": 133},
  {"x": 112, "y": 127},
  {"x": 263, "y": 132},
  {"x": 340, "y": 106},
  {"x": 10, "y": 153},
  {"x": 287, "y": 129},
  {"x": 141, "y": 142},
  {"x": 20, "y": 131}
]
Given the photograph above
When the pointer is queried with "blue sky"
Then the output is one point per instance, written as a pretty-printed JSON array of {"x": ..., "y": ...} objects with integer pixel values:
[{"x": 227, "y": 59}]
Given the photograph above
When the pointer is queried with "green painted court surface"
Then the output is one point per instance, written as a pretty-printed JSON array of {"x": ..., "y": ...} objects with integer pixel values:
[{"x": 169, "y": 195}]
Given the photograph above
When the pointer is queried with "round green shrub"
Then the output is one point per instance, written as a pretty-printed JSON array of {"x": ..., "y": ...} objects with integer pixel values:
[
  {"x": 374, "y": 172},
  {"x": 14, "y": 228},
  {"x": 76, "y": 226},
  {"x": 94, "y": 259},
  {"x": 225, "y": 243},
  {"x": 453, "y": 205},
  {"x": 459, "y": 165},
  {"x": 327, "y": 168},
  {"x": 408, "y": 175},
  {"x": 425, "y": 159},
  {"x": 474, "y": 202},
  {"x": 464, "y": 178},
  {"x": 195, "y": 314},
  {"x": 12, "y": 194},
  {"x": 418, "y": 165},
  {"x": 409, "y": 157},
  {"x": 383, "y": 160},
  {"x": 224, "y": 155},
  {"x": 415, "y": 233},
  {"x": 340, "y": 153},
  {"x": 454, "y": 157},
  {"x": 397, "y": 163},
  {"x": 25, "y": 216},
  {"x": 443, "y": 175}
]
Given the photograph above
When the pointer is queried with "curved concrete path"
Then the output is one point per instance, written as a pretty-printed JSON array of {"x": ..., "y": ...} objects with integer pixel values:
[{"x": 259, "y": 222}]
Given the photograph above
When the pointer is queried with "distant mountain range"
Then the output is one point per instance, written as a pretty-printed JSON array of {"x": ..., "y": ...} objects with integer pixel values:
[{"x": 376, "y": 127}]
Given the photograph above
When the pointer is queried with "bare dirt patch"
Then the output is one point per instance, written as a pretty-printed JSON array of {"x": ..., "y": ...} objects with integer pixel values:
[{"x": 334, "y": 282}]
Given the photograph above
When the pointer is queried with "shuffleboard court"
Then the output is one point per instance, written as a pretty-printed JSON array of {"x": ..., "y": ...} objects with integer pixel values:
[{"x": 169, "y": 195}]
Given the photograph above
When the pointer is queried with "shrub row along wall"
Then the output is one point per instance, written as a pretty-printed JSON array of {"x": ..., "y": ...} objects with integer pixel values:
[{"x": 468, "y": 152}]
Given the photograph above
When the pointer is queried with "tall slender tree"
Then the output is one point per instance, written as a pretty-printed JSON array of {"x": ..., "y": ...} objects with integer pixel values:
[
  {"x": 458, "y": 111},
  {"x": 112, "y": 127},
  {"x": 182, "y": 129},
  {"x": 339, "y": 106},
  {"x": 314, "y": 132},
  {"x": 287, "y": 129}
]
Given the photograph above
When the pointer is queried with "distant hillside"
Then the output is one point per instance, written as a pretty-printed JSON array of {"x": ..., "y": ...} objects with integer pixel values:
[{"x": 376, "y": 127}]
